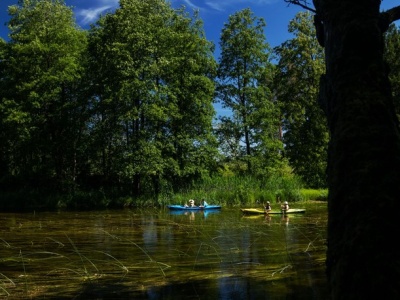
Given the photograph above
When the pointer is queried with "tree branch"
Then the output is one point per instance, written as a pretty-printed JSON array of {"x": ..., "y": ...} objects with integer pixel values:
[
  {"x": 388, "y": 17},
  {"x": 302, "y": 3},
  {"x": 394, "y": 13}
]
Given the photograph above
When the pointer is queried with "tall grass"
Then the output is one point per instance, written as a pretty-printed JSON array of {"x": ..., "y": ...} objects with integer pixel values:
[
  {"x": 309, "y": 194},
  {"x": 241, "y": 191},
  {"x": 224, "y": 190}
]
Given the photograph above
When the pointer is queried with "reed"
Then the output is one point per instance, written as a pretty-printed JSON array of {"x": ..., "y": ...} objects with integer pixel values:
[
  {"x": 311, "y": 194},
  {"x": 118, "y": 262},
  {"x": 241, "y": 190},
  {"x": 25, "y": 276},
  {"x": 184, "y": 251},
  {"x": 5, "y": 244},
  {"x": 200, "y": 249},
  {"x": 159, "y": 265},
  {"x": 84, "y": 258},
  {"x": 4, "y": 284}
]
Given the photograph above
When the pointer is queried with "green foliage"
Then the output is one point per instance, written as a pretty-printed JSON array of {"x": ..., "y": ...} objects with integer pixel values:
[
  {"x": 241, "y": 191},
  {"x": 155, "y": 100},
  {"x": 40, "y": 108},
  {"x": 123, "y": 114},
  {"x": 310, "y": 194},
  {"x": 301, "y": 63},
  {"x": 392, "y": 48},
  {"x": 125, "y": 109},
  {"x": 245, "y": 72}
]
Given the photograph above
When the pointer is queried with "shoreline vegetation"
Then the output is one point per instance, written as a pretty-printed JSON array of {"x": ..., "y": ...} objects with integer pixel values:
[
  {"x": 226, "y": 191},
  {"x": 139, "y": 127}
]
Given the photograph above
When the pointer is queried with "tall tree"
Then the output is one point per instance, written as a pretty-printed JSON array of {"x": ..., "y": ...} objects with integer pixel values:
[
  {"x": 392, "y": 50},
  {"x": 364, "y": 149},
  {"x": 301, "y": 63},
  {"x": 189, "y": 75},
  {"x": 154, "y": 95},
  {"x": 244, "y": 81},
  {"x": 41, "y": 107}
]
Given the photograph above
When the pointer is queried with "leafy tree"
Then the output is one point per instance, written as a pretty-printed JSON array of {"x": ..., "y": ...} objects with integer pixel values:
[
  {"x": 190, "y": 79},
  {"x": 364, "y": 149},
  {"x": 392, "y": 50},
  {"x": 301, "y": 63},
  {"x": 244, "y": 80},
  {"x": 229, "y": 137},
  {"x": 153, "y": 96},
  {"x": 41, "y": 107},
  {"x": 3, "y": 135}
]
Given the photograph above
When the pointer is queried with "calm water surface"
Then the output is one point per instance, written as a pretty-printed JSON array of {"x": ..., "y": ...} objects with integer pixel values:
[{"x": 156, "y": 254}]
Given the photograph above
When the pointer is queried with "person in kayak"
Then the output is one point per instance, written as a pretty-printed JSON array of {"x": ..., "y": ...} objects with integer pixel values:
[
  {"x": 203, "y": 203},
  {"x": 285, "y": 206},
  {"x": 267, "y": 207},
  {"x": 191, "y": 203}
]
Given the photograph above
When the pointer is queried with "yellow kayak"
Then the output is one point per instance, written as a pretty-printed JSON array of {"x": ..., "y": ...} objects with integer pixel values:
[{"x": 257, "y": 211}]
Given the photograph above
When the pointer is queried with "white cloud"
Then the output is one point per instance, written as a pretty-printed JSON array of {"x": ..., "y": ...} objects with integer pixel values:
[
  {"x": 221, "y": 5},
  {"x": 191, "y": 4},
  {"x": 90, "y": 15},
  {"x": 216, "y": 5}
]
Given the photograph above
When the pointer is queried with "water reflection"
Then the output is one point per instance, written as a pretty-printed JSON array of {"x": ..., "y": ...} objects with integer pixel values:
[
  {"x": 285, "y": 219},
  {"x": 194, "y": 213},
  {"x": 162, "y": 254},
  {"x": 268, "y": 219}
]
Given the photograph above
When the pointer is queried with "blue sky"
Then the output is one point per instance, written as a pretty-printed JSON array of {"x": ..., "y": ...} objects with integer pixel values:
[{"x": 214, "y": 13}]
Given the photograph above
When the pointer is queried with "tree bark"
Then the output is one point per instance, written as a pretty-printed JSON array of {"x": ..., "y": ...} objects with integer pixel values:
[{"x": 364, "y": 153}]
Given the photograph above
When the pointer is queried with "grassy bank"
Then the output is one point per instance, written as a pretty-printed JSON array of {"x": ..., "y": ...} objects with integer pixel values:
[
  {"x": 227, "y": 191},
  {"x": 235, "y": 191}
]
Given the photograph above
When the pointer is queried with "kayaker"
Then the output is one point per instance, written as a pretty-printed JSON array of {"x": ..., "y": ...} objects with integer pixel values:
[
  {"x": 285, "y": 206},
  {"x": 191, "y": 203},
  {"x": 267, "y": 207}
]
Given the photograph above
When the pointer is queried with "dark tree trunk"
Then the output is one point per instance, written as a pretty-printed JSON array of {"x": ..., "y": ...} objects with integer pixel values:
[{"x": 363, "y": 260}]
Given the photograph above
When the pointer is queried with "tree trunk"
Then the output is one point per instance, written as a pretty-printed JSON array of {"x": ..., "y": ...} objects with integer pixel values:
[{"x": 364, "y": 153}]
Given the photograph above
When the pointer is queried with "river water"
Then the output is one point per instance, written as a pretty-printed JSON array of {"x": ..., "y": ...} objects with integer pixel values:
[{"x": 157, "y": 254}]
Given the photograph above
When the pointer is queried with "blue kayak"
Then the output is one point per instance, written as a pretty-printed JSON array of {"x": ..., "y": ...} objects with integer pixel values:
[
  {"x": 182, "y": 207},
  {"x": 186, "y": 212}
]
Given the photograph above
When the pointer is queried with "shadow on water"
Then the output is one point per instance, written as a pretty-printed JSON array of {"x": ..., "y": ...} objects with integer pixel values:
[
  {"x": 230, "y": 289},
  {"x": 156, "y": 254}
]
